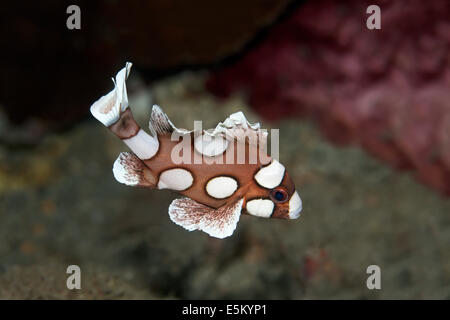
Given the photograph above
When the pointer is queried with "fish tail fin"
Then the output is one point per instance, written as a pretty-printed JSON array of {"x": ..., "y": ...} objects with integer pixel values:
[
  {"x": 111, "y": 106},
  {"x": 112, "y": 111}
]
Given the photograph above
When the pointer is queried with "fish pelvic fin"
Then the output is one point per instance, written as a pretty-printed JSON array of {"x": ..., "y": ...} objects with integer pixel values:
[
  {"x": 219, "y": 223},
  {"x": 130, "y": 170}
]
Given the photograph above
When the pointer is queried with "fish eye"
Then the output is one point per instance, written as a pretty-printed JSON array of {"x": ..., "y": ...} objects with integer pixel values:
[{"x": 279, "y": 194}]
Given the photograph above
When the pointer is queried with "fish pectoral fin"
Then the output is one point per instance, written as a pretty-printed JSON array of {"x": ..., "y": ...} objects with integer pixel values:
[
  {"x": 218, "y": 223},
  {"x": 130, "y": 170}
]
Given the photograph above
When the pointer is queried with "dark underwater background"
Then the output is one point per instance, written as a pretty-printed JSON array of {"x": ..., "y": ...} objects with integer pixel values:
[{"x": 364, "y": 119}]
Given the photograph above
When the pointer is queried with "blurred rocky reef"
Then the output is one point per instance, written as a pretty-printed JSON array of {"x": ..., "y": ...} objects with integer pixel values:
[
  {"x": 339, "y": 93},
  {"x": 51, "y": 74},
  {"x": 60, "y": 205},
  {"x": 385, "y": 90}
]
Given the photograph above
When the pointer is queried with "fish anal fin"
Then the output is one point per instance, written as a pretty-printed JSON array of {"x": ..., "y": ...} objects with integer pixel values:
[
  {"x": 218, "y": 223},
  {"x": 130, "y": 170}
]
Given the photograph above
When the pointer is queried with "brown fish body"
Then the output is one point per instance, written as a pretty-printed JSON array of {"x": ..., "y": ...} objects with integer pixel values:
[
  {"x": 221, "y": 173},
  {"x": 209, "y": 168}
]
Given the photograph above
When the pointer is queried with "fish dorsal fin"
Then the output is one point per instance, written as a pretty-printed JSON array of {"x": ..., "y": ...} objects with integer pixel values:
[
  {"x": 236, "y": 127},
  {"x": 218, "y": 223},
  {"x": 160, "y": 122}
]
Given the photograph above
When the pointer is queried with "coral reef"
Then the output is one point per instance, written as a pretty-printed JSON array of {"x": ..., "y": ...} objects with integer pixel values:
[
  {"x": 50, "y": 74},
  {"x": 60, "y": 205},
  {"x": 386, "y": 90}
]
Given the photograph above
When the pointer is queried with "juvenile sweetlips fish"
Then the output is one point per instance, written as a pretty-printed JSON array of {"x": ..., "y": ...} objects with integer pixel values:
[{"x": 218, "y": 188}]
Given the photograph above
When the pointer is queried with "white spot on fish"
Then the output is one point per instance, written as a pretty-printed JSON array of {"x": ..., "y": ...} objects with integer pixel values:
[
  {"x": 221, "y": 187},
  {"x": 271, "y": 175},
  {"x": 260, "y": 207},
  {"x": 210, "y": 146},
  {"x": 175, "y": 179}
]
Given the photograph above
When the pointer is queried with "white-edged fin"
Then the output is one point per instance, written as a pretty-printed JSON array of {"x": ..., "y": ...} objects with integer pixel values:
[
  {"x": 237, "y": 127},
  {"x": 130, "y": 170},
  {"x": 219, "y": 223},
  {"x": 108, "y": 108},
  {"x": 160, "y": 122}
]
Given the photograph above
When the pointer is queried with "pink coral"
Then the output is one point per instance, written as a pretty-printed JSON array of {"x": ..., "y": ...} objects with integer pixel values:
[{"x": 386, "y": 90}]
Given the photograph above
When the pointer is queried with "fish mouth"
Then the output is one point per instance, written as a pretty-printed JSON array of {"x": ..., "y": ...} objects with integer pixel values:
[{"x": 295, "y": 206}]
